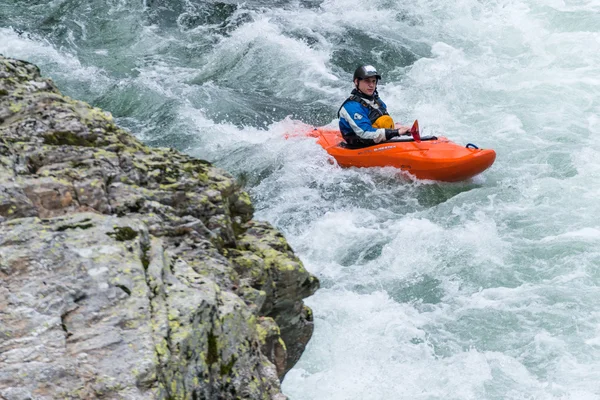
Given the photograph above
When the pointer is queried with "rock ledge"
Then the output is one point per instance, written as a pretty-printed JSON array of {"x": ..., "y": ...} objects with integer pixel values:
[{"x": 128, "y": 272}]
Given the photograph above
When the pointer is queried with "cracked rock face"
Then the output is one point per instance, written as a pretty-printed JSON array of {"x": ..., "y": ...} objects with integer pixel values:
[{"x": 130, "y": 272}]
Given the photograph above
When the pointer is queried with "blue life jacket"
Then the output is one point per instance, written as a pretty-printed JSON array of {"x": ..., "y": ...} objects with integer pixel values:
[{"x": 362, "y": 115}]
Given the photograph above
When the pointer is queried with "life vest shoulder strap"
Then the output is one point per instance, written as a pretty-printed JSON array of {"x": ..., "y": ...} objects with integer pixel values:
[{"x": 362, "y": 101}]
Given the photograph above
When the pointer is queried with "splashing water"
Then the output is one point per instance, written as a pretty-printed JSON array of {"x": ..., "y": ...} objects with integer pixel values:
[{"x": 483, "y": 289}]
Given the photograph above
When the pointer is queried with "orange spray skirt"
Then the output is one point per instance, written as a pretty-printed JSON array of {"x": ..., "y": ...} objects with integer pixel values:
[{"x": 437, "y": 159}]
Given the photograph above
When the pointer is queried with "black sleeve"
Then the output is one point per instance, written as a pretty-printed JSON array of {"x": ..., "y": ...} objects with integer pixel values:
[{"x": 390, "y": 133}]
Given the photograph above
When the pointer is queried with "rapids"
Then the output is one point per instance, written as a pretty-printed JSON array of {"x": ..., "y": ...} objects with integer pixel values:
[{"x": 485, "y": 289}]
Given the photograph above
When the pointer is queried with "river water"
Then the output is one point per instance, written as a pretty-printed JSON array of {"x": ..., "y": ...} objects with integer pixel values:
[{"x": 485, "y": 289}]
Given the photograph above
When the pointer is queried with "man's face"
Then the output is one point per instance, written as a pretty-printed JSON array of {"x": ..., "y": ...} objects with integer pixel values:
[{"x": 367, "y": 85}]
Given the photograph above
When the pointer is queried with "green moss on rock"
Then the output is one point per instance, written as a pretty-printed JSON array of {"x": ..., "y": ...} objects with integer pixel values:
[
  {"x": 80, "y": 225},
  {"x": 123, "y": 233},
  {"x": 145, "y": 255},
  {"x": 226, "y": 368},
  {"x": 212, "y": 355},
  {"x": 68, "y": 138}
]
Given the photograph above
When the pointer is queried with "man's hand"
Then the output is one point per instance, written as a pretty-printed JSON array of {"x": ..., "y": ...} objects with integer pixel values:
[{"x": 402, "y": 130}]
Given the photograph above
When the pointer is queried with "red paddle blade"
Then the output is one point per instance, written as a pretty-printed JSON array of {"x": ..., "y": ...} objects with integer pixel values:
[{"x": 414, "y": 131}]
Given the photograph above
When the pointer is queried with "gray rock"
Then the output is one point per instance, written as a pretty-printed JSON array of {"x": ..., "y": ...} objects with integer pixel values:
[{"x": 128, "y": 272}]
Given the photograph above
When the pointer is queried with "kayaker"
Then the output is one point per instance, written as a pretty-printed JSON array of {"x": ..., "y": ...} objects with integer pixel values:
[{"x": 364, "y": 119}]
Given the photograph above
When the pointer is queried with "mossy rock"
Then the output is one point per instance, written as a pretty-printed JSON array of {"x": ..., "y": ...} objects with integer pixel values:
[
  {"x": 123, "y": 233},
  {"x": 66, "y": 138}
]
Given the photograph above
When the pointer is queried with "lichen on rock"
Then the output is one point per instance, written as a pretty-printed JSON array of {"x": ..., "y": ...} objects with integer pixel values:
[{"x": 132, "y": 272}]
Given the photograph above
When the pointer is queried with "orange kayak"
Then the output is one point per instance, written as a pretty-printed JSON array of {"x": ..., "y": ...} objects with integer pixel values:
[{"x": 435, "y": 158}]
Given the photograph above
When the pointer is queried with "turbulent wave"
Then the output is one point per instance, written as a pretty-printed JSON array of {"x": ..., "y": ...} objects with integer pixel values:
[{"x": 484, "y": 289}]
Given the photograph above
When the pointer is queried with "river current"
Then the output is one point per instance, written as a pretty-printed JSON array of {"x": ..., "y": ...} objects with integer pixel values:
[{"x": 484, "y": 289}]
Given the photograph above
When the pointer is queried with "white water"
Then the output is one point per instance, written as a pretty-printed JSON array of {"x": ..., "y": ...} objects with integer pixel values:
[{"x": 485, "y": 289}]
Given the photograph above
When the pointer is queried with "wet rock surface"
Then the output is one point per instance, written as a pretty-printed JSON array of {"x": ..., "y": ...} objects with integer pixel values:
[{"x": 132, "y": 272}]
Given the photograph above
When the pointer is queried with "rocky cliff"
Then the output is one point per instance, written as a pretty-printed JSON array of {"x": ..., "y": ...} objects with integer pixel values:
[{"x": 129, "y": 272}]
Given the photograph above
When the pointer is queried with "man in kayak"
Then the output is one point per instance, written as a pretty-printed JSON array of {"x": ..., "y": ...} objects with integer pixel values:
[{"x": 364, "y": 119}]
